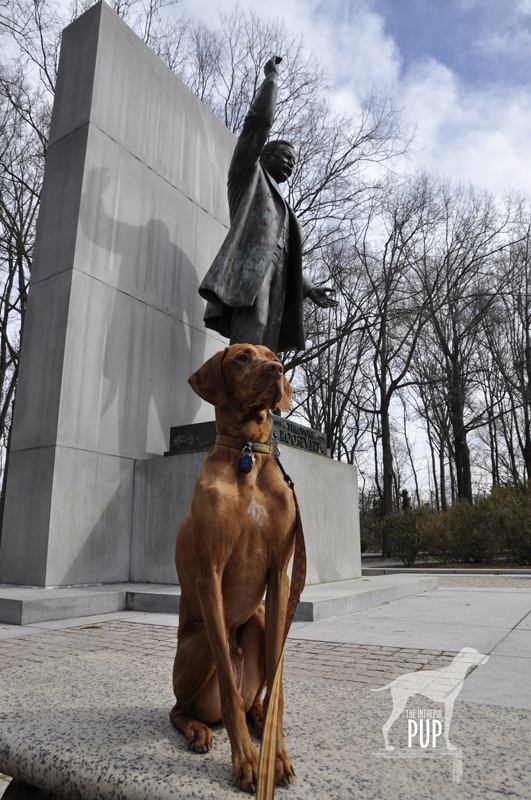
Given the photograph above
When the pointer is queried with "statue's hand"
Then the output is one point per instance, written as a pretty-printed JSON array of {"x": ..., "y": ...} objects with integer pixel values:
[
  {"x": 271, "y": 65},
  {"x": 320, "y": 295}
]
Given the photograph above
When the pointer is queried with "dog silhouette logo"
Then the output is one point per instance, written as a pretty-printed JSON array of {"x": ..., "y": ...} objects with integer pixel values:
[{"x": 440, "y": 685}]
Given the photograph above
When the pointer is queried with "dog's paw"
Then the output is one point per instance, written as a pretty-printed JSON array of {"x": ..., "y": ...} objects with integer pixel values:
[
  {"x": 284, "y": 772},
  {"x": 245, "y": 770},
  {"x": 198, "y": 737}
]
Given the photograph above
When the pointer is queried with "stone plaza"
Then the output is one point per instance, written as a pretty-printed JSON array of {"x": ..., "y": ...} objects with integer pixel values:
[{"x": 85, "y": 702}]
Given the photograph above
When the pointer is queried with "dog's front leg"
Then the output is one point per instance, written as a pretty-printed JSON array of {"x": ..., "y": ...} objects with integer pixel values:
[
  {"x": 276, "y": 607},
  {"x": 244, "y": 755}
]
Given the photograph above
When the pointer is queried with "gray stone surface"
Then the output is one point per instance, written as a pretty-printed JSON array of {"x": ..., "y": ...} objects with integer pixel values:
[
  {"x": 163, "y": 492},
  {"x": 325, "y": 600},
  {"x": 98, "y": 727},
  {"x": 133, "y": 211},
  {"x": 28, "y": 606},
  {"x": 328, "y": 496},
  {"x": 443, "y": 620}
]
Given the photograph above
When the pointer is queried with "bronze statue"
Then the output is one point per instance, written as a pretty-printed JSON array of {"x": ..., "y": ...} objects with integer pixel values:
[{"x": 255, "y": 286}]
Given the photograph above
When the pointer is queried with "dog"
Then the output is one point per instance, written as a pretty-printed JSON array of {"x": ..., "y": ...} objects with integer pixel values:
[
  {"x": 236, "y": 540},
  {"x": 440, "y": 685}
]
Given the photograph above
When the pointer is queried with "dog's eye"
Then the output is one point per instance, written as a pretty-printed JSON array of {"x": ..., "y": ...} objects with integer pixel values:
[{"x": 241, "y": 357}]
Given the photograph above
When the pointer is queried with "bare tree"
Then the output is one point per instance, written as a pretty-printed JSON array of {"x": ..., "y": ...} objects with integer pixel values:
[
  {"x": 460, "y": 287},
  {"x": 326, "y": 385},
  {"x": 508, "y": 331},
  {"x": 389, "y": 249}
]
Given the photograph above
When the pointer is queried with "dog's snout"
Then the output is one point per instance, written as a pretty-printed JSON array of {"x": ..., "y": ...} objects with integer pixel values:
[{"x": 274, "y": 367}]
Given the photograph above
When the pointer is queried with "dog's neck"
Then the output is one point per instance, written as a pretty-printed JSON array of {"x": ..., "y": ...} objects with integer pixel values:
[{"x": 252, "y": 424}]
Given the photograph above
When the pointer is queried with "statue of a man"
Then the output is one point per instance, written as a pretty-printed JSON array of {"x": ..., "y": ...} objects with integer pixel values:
[{"x": 255, "y": 286}]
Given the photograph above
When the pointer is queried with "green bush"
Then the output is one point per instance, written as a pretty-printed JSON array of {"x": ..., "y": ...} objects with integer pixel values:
[
  {"x": 470, "y": 533},
  {"x": 363, "y": 545},
  {"x": 474, "y": 531},
  {"x": 409, "y": 532},
  {"x": 498, "y": 524},
  {"x": 440, "y": 542},
  {"x": 517, "y": 522}
]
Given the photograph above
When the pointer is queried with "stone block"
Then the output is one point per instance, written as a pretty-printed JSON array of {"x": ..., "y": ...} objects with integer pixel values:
[
  {"x": 57, "y": 226},
  {"x": 328, "y": 496},
  {"x": 26, "y": 611},
  {"x": 25, "y": 532},
  {"x": 90, "y": 518},
  {"x": 41, "y": 367},
  {"x": 77, "y": 65},
  {"x": 163, "y": 493}
]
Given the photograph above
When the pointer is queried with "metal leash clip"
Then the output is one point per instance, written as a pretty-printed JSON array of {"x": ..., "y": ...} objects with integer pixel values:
[
  {"x": 285, "y": 475},
  {"x": 246, "y": 462}
]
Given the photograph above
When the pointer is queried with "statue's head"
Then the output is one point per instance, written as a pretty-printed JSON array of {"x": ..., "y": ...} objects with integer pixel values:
[{"x": 278, "y": 158}]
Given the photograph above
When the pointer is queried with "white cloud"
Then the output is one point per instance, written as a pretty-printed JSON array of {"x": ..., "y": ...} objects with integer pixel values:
[
  {"x": 349, "y": 38},
  {"x": 471, "y": 134}
]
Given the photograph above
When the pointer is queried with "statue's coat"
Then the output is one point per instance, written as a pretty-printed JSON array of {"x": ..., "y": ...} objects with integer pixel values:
[{"x": 257, "y": 213}]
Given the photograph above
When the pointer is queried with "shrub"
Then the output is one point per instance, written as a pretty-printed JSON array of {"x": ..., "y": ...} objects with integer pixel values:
[
  {"x": 363, "y": 545},
  {"x": 499, "y": 522},
  {"x": 517, "y": 522},
  {"x": 409, "y": 533},
  {"x": 440, "y": 542}
]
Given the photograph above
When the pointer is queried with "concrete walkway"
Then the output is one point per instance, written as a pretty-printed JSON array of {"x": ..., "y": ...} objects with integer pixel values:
[{"x": 83, "y": 710}]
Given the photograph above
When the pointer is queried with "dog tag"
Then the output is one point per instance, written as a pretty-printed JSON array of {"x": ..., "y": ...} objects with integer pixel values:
[{"x": 246, "y": 463}]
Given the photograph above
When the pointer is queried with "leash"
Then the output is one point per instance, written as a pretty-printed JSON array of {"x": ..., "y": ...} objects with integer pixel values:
[{"x": 265, "y": 788}]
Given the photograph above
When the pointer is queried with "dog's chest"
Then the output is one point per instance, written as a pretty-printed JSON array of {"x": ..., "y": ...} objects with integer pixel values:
[{"x": 257, "y": 512}]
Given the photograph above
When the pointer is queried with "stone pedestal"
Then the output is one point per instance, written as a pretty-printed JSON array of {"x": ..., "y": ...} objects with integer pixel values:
[{"x": 327, "y": 492}]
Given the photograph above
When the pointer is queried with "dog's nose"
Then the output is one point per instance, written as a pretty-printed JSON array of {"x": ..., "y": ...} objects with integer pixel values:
[{"x": 274, "y": 367}]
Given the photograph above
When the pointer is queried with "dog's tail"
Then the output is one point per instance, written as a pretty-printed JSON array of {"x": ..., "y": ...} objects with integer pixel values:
[{"x": 387, "y": 686}]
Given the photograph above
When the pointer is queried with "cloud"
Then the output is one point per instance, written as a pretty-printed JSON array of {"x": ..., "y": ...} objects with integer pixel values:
[
  {"x": 349, "y": 38},
  {"x": 477, "y": 132},
  {"x": 471, "y": 135}
]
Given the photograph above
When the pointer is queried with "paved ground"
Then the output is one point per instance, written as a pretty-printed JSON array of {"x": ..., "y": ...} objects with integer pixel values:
[{"x": 341, "y": 659}]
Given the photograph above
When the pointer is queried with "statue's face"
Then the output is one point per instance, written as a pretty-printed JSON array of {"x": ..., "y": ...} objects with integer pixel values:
[{"x": 280, "y": 162}]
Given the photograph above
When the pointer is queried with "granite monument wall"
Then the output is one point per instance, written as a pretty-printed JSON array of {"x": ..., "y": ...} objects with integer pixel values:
[{"x": 133, "y": 211}]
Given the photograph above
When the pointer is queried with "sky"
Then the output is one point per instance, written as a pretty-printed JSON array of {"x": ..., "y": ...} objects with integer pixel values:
[{"x": 460, "y": 70}]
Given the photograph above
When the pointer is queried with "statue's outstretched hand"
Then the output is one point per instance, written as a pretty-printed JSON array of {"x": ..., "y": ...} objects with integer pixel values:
[
  {"x": 271, "y": 65},
  {"x": 320, "y": 295}
]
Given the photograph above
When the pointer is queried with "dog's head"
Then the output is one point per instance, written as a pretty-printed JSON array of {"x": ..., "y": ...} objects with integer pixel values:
[
  {"x": 249, "y": 374},
  {"x": 471, "y": 657}
]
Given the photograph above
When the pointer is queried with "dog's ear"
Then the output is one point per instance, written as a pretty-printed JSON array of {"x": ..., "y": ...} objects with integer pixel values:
[
  {"x": 287, "y": 393},
  {"x": 208, "y": 382}
]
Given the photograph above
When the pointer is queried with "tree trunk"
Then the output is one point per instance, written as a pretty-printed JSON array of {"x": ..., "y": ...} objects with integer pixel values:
[
  {"x": 387, "y": 464},
  {"x": 444, "y": 505},
  {"x": 461, "y": 451}
]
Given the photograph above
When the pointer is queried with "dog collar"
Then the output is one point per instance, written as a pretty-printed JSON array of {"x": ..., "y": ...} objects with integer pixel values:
[{"x": 240, "y": 444}]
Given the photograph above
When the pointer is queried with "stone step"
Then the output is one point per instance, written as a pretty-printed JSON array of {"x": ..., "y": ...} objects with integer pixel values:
[
  {"x": 25, "y": 605},
  {"x": 325, "y": 600}
]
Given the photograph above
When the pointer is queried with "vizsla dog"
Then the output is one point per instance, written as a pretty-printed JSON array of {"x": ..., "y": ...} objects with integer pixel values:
[{"x": 236, "y": 540}]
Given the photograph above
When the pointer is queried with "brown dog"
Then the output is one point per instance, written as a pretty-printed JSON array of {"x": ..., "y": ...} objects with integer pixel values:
[{"x": 236, "y": 539}]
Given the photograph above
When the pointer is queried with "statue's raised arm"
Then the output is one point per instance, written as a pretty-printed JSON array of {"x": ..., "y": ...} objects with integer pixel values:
[
  {"x": 255, "y": 286},
  {"x": 258, "y": 122}
]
